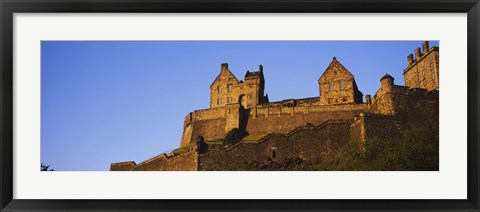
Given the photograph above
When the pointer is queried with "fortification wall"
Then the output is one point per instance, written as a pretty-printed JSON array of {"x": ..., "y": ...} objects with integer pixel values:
[
  {"x": 185, "y": 162},
  {"x": 210, "y": 123},
  {"x": 263, "y": 119},
  {"x": 307, "y": 143},
  {"x": 212, "y": 129},
  {"x": 123, "y": 166},
  {"x": 284, "y": 119},
  {"x": 417, "y": 107},
  {"x": 391, "y": 113},
  {"x": 369, "y": 125}
]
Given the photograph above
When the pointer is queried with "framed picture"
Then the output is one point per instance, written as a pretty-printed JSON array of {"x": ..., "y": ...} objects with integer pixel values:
[{"x": 212, "y": 105}]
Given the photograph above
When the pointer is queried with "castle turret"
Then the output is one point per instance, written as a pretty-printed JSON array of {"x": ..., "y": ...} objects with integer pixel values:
[
  {"x": 385, "y": 97},
  {"x": 425, "y": 47},
  {"x": 387, "y": 83}
]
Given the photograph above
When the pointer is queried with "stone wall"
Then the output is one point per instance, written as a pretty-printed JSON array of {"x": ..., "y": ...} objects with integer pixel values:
[
  {"x": 279, "y": 122},
  {"x": 214, "y": 124},
  {"x": 184, "y": 162},
  {"x": 210, "y": 123},
  {"x": 308, "y": 143}
]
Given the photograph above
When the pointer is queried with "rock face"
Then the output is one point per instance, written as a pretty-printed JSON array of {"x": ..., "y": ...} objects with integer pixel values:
[{"x": 243, "y": 129}]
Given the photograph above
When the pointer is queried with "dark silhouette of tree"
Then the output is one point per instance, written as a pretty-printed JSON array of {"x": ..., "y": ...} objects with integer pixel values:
[{"x": 44, "y": 167}]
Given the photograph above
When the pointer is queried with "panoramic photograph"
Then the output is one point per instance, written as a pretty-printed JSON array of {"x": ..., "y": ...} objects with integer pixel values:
[{"x": 240, "y": 105}]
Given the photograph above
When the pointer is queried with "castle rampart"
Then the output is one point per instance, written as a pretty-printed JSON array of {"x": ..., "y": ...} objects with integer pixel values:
[{"x": 248, "y": 130}]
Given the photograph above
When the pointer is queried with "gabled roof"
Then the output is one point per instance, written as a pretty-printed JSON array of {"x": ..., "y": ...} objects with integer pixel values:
[
  {"x": 334, "y": 63},
  {"x": 224, "y": 71}
]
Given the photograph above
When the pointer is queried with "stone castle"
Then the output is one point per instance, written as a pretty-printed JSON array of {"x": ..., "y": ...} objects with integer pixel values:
[{"x": 243, "y": 127}]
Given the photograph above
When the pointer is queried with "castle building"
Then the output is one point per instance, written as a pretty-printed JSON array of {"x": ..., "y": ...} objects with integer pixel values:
[
  {"x": 423, "y": 69},
  {"x": 226, "y": 89},
  {"x": 243, "y": 127},
  {"x": 337, "y": 85}
]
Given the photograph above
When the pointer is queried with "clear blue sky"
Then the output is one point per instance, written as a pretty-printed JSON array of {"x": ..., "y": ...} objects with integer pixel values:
[{"x": 115, "y": 101}]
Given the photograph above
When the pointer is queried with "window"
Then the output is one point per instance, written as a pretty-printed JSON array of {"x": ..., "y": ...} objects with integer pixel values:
[
  {"x": 219, "y": 89},
  {"x": 423, "y": 72},
  {"x": 416, "y": 78},
  {"x": 250, "y": 96},
  {"x": 250, "y": 85},
  {"x": 431, "y": 67},
  {"x": 229, "y": 100},
  {"x": 274, "y": 154},
  {"x": 219, "y": 101},
  {"x": 229, "y": 88},
  {"x": 341, "y": 85},
  {"x": 329, "y": 86},
  {"x": 425, "y": 82},
  {"x": 433, "y": 76}
]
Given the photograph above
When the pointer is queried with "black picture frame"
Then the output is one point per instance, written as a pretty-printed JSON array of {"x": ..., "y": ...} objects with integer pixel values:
[{"x": 9, "y": 7}]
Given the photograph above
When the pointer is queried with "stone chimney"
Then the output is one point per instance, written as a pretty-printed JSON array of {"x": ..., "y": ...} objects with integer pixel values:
[
  {"x": 425, "y": 47},
  {"x": 260, "y": 68},
  {"x": 368, "y": 98},
  {"x": 418, "y": 54},
  {"x": 410, "y": 59},
  {"x": 224, "y": 65}
]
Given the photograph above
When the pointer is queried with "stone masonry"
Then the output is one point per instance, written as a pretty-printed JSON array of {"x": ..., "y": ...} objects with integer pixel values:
[{"x": 242, "y": 127}]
